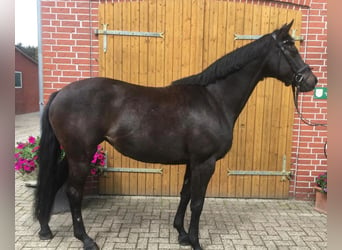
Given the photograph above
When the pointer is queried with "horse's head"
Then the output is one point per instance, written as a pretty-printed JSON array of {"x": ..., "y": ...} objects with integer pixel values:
[{"x": 286, "y": 64}]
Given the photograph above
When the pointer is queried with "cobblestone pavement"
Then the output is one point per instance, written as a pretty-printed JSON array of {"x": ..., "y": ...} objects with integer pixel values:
[
  {"x": 135, "y": 222},
  {"x": 131, "y": 222}
]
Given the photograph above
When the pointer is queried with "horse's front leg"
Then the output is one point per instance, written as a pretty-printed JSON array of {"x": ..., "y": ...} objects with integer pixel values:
[
  {"x": 178, "y": 223},
  {"x": 75, "y": 195},
  {"x": 200, "y": 177}
]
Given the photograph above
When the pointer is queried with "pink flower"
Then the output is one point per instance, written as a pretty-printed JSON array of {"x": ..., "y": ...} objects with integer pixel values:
[
  {"x": 27, "y": 168},
  {"x": 26, "y": 158},
  {"x": 31, "y": 163},
  {"x": 93, "y": 171},
  {"x": 21, "y": 146},
  {"x": 102, "y": 163},
  {"x": 32, "y": 140},
  {"x": 94, "y": 159},
  {"x": 100, "y": 156},
  {"x": 35, "y": 149},
  {"x": 17, "y": 166},
  {"x": 22, "y": 161}
]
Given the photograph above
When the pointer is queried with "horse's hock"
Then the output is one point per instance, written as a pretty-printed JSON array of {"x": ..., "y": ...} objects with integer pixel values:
[{"x": 180, "y": 38}]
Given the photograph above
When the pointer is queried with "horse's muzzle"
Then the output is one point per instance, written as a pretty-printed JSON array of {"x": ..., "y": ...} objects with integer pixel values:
[{"x": 308, "y": 83}]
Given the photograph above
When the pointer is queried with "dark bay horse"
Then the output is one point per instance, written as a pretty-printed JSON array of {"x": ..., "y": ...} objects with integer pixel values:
[{"x": 188, "y": 122}]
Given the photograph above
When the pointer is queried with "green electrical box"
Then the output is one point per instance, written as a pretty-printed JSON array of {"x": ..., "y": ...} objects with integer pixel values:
[{"x": 321, "y": 93}]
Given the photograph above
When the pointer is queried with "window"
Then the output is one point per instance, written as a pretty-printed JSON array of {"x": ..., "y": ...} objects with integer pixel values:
[{"x": 18, "y": 79}]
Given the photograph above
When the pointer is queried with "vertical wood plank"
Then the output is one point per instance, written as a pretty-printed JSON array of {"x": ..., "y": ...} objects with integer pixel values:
[
  {"x": 168, "y": 62},
  {"x": 116, "y": 22},
  {"x": 232, "y": 154},
  {"x": 123, "y": 178},
  {"x": 176, "y": 74},
  {"x": 143, "y": 79},
  {"x": 131, "y": 187},
  {"x": 258, "y": 111},
  {"x": 222, "y": 39},
  {"x": 151, "y": 25},
  {"x": 266, "y": 118},
  {"x": 240, "y": 126},
  {"x": 250, "y": 114},
  {"x": 196, "y": 47},
  {"x": 184, "y": 30},
  {"x": 213, "y": 43},
  {"x": 110, "y": 55},
  {"x": 276, "y": 21},
  {"x": 159, "y": 77}
]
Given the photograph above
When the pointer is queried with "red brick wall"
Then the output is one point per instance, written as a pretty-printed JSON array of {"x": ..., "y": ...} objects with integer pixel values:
[
  {"x": 70, "y": 48},
  {"x": 70, "y": 52},
  {"x": 27, "y": 97},
  {"x": 308, "y": 159}
]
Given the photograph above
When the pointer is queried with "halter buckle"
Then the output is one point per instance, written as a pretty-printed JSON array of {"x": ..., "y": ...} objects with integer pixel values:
[{"x": 299, "y": 78}]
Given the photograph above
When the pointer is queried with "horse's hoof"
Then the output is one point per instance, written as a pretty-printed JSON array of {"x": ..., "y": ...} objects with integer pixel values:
[
  {"x": 45, "y": 235},
  {"x": 89, "y": 244},
  {"x": 184, "y": 240}
]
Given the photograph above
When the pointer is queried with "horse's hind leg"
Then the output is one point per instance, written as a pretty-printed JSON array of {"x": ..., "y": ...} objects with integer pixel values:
[
  {"x": 61, "y": 176},
  {"x": 77, "y": 176},
  {"x": 179, "y": 218}
]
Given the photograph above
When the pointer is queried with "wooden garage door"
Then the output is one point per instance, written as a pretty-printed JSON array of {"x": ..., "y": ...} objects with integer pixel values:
[{"x": 194, "y": 34}]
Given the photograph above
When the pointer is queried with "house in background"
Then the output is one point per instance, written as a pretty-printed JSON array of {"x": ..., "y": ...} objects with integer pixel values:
[{"x": 26, "y": 83}]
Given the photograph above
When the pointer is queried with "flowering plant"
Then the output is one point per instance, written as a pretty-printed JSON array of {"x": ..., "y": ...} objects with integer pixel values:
[
  {"x": 322, "y": 182},
  {"x": 26, "y": 156},
  {"x": 98, "y": 162}
]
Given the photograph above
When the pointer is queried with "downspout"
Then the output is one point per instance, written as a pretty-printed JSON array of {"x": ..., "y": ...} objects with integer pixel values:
[
  {"x": 300, "y": 102},
  {"x": 91, "y": 40},
  {"x": 40, "y": 59}
]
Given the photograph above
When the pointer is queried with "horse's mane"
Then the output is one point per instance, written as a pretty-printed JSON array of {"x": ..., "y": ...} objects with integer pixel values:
[{"x": 228, "y": 63}]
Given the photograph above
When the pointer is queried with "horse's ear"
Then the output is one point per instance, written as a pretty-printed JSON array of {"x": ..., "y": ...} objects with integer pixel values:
[
  {"x": 284, "y": 30},
  {"x": 286, "y": 27}
]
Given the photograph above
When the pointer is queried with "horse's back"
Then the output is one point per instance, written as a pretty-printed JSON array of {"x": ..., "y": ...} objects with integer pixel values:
[
  {"x": 101, "y": 105},
  {"x": 129, "y": 116}
]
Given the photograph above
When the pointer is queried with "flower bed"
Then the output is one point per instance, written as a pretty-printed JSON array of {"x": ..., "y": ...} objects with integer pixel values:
[{"x": 26, "y": 159}]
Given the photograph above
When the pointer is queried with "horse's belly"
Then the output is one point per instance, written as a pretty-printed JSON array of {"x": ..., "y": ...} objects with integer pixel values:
[{"x": 148, "y": 150}]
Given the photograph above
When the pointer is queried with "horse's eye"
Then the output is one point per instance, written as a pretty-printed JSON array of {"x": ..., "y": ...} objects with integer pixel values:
[{"x": 288, "y": 42}]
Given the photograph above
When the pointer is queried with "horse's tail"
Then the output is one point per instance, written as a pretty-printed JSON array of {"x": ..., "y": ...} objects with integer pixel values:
[{"x": 53, "y": 170}]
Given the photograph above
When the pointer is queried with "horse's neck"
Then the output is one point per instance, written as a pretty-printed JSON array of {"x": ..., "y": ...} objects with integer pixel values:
[{"x": 234, "y": 91}]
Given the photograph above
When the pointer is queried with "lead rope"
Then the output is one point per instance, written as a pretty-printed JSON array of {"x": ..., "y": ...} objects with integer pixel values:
[{"x": 295, "y": 99}]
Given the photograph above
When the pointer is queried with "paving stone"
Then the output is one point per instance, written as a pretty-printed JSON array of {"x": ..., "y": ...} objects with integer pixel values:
[{"x": 123, "y": 228}]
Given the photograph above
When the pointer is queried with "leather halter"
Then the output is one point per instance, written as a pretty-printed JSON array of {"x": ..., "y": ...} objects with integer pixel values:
[
  {"x": 297, "y": 79},
  {"x": 298, "y": 73}
]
